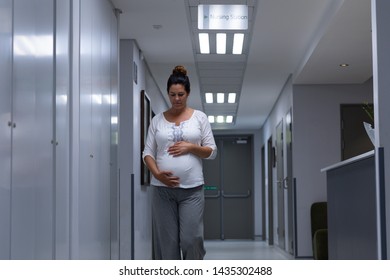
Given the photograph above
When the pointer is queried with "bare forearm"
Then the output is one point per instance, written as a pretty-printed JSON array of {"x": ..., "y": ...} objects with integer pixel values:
[
  {"x": 164, "y": 176},
  {"x": 182, "y": 148},
  {"x": 151, "y": 164},
  {"x": 201, "y": 151}
]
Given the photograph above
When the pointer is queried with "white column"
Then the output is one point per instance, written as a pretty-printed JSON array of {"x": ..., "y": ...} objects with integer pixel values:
[{"x": 381, "y": 82}]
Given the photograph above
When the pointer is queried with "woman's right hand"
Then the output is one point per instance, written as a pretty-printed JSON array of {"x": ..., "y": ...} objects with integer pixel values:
[{"x": 167, "y": 178}]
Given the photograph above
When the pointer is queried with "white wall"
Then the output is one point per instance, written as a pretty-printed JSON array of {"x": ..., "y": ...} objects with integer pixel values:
[
  {"x": 281, "y": 109},
  {"x": 316, "y": 144},
  {"x": 95, "y": 129},
  {"x": 138, "y": 246},
  {"x": 57, "y": 129},
  {"x": 157, "y": 101},
  {"x": 381, "y": 68}
]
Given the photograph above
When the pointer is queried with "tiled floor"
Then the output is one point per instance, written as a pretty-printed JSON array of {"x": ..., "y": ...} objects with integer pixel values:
[{"x": 243, "y": 250}]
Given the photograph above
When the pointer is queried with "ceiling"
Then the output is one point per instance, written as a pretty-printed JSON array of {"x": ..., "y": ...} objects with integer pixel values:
[{"x": 303, "y": 39}]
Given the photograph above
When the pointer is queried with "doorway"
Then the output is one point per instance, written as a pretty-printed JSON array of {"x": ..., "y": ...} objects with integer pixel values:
[
  {"x": 271, "y": 163},
  {"x": 288, "y": 185},
  {"x": 280, "y": 184},
  {"x": 263, "y": 195},
  {"x": 229, "y": 190}
]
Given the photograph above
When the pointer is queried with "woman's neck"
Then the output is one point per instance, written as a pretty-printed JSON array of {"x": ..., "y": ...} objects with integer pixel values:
[
  {"x": 177, "y": 112},
  {"x": 178, "y": 116}
]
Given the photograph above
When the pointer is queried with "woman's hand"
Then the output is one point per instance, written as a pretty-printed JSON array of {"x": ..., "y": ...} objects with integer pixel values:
[
  {"x": 167, "y": 178},
  {"x": 180, "y": 148}
]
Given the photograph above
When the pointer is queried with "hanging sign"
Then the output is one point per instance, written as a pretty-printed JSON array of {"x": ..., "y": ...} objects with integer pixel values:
[{"x": 231, "y": 17}]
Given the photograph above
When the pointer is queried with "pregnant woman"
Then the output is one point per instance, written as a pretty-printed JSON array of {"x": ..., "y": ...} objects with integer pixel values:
[{"x": 178, "y": 139}]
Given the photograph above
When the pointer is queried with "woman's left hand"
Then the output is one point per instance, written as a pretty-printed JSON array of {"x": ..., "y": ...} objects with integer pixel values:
[{"x": 180, "y": 148}]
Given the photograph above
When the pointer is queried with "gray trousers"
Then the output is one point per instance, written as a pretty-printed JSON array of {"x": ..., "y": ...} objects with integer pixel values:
[{"x": 178, "y": 223}]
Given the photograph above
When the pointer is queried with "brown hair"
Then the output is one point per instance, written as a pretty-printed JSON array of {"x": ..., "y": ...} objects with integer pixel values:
[{"x": 179, "y": 76}]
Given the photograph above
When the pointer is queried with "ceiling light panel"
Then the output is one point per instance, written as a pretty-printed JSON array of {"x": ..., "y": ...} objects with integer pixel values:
[
  {"x": 221, "y": 43},
  {"x": 220, "y": 119},
  {"x": 220, "y": 73},
  {"x": 209, "y": 97},
  {"x": 238, "y": 43},
  {"x": 204, "y": 43},
  {"x": 229, "y": 119},
  {"x": 220, "y": 97},
  {"x": 232, "y": 97}
]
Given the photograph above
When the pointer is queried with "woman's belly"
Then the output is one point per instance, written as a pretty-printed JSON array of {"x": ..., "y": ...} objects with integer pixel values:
[{"x": 186, "y": 167}]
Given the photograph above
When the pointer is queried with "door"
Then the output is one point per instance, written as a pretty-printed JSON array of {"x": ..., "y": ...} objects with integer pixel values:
[
  {"x": 229, "y": 188},
  {"x": 213, "y": 198},
  {"x": 271, "y": 161},
  {"x": 288, "y": 184},
  {"x": 280, "y": 184},
  {"x": 263, "y": 195},
  {"x": 32, "y": 199}
]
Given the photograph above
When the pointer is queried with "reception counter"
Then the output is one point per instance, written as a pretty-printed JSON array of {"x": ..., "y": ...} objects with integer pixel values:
[{"x": 352, "y": 209}]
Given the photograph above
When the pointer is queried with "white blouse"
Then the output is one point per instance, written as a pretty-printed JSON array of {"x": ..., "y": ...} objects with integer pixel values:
[{"x": 162, "y": 134}]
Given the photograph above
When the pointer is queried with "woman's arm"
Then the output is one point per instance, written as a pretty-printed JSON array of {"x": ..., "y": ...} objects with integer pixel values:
[
  {"x": 206, "y": 150},
  {"x": 164, "y": 177},
  {"x": 182, "y": 148}
]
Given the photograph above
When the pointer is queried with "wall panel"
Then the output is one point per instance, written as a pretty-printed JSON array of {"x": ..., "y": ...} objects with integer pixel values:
[
  {"x": 5, "y": 129},
  {"x": 59, "y": 137},
  {"x": 62, "y": 130},
  {"x": 114, "y": 131},
  {"x": 32, "y": 159},
  {"x": 95, "y": 129}
]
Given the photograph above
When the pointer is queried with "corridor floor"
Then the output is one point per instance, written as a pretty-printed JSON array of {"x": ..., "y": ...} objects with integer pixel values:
[{"x": 243, "y": 250}]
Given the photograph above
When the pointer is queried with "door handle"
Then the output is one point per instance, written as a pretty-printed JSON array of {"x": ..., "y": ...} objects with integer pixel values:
[
  {"x": 285, "y": 183},
  {"x": 248, "y": 194}
]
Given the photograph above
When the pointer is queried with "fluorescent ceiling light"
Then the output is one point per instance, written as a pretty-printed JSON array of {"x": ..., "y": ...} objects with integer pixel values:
[
  {"x": 221, "y": 43},
  {"x": 238, "y": 43},
  {"x": 232, "y": 97},
  {"x": 220, "y": 97},
  {"x": 209, "y": 97},
  {"x": 204, "y": 43},
  {"x": 220, "y": 119}
]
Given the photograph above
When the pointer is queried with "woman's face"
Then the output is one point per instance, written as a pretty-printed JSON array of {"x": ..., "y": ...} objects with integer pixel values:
[{"x": 178, "y": 96}]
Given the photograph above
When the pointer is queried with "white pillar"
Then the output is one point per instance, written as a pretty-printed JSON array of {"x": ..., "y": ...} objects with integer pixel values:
[{"x": 381, "y": 82}]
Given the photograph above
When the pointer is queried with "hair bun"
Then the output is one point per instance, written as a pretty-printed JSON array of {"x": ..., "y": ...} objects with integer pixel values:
[{"x": 179, "y": 70}]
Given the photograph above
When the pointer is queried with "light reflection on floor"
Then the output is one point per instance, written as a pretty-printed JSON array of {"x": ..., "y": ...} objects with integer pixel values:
[{"x": 243, "y": 250}]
